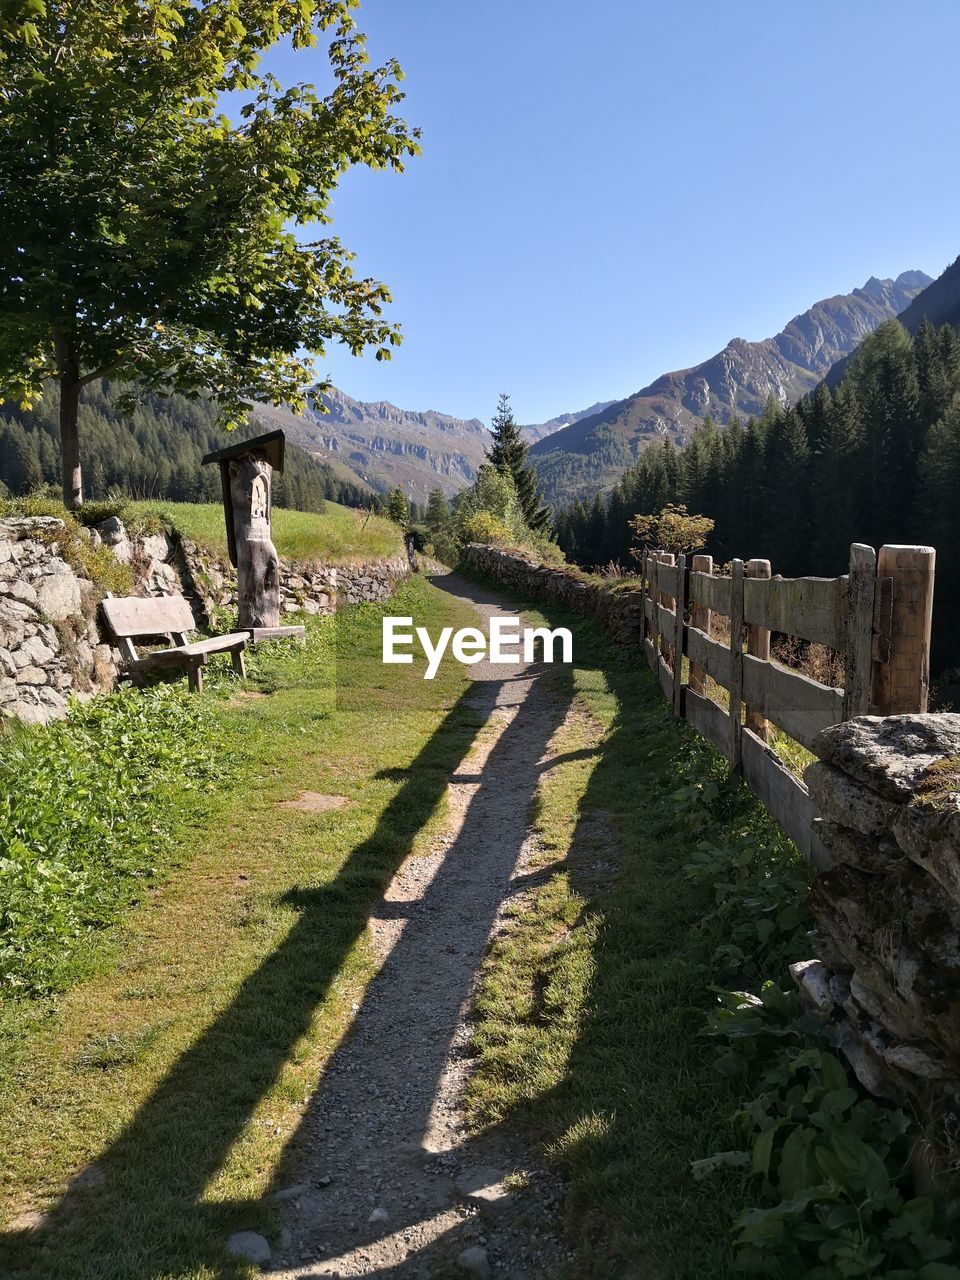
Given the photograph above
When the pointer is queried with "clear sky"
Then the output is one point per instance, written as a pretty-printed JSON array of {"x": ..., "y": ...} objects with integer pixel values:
[{"x": 609, "y": 191}]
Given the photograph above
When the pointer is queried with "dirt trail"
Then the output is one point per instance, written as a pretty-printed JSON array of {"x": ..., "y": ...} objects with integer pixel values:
[{"x": 392, "y": 1185}]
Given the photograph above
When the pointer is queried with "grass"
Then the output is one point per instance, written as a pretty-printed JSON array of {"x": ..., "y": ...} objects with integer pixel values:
[
  {"x": 591, "y": 1006},
  {"x": 177, "y": 1072},
  {"x": 338, "y": 535}
]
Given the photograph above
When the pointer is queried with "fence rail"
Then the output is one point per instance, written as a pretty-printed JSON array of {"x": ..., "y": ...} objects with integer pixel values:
[{"x": 877, "y": 618}]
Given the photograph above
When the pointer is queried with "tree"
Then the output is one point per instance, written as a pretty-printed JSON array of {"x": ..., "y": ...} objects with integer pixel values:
[
  {"x": 509, "y": 456},
  {"x": 672, "y": 529},
  {"x": 437, "y": 516},
  {"x": 398, "y": 509},
  {"x": 148, "y": 237}
]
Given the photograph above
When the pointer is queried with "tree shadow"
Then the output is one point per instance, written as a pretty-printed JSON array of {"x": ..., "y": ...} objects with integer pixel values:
[{"x": 139, "y": 1213}]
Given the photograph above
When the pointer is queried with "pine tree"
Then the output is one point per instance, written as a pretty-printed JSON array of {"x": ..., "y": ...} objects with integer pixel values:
[
  {"x": 398, "y": 509},
  {"x": 437, "y": 516},
  {"x": 509, "y": 456}
]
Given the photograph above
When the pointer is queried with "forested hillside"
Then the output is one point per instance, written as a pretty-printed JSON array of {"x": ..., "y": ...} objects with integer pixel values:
[
  {"x": 875, "y": 459},
  {"x": 151, "y": 451}
]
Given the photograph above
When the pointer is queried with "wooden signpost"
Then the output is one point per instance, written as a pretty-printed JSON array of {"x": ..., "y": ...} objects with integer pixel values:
[{"x": 246, "y": 475}]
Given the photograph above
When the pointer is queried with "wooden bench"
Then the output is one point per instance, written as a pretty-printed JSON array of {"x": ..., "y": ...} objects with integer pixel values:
[{"x": 170, "y": 617}]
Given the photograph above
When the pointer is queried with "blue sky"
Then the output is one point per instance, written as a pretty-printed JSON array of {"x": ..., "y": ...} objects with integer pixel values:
[{"x": 614, "y": 190}]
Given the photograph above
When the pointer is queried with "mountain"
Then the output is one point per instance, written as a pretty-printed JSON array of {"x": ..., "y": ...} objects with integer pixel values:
[
  {"x": 386, "y": 446},
  {"x": 537, "y": 431},
  {"x": 939, "y": 303},
  {"x": 589, "y": 455}
]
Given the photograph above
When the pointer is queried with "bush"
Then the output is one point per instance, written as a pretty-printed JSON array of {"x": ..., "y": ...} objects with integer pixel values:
[
  {"x": 89, "y": 808},
  {"x": 482, "y": 526}
]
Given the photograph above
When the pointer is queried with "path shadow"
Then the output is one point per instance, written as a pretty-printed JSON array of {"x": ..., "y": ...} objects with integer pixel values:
[{"x": 115, "y": 1225}]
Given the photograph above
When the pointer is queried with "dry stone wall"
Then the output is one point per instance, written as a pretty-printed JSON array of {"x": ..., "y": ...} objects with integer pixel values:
[
  {"x": 887, "y": 939},
  {"x": 49, "y": 645},
  {"x": 615, "y": 606}
]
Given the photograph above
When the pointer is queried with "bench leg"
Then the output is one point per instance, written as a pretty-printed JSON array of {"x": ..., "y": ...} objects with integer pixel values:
[
  {"x": 195, "y": 677},
  {"x": 236, "y": 657}
]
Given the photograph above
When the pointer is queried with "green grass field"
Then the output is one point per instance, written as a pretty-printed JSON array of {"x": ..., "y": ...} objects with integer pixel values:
[
  {"x": 339, "y": 535},
  {"x": 181, "y": 1062}
]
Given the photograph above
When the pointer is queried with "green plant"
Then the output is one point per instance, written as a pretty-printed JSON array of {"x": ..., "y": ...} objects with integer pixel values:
[
  {"x": 88, "y": 811},
  {"x": 832, "y": 1166}
]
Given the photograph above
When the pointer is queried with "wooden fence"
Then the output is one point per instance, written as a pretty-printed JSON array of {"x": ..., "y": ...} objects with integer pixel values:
[{"x": 877, "y": 618}]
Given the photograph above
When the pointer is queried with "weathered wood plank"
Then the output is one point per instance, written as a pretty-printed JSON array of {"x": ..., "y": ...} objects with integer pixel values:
[
  {"x": 668, "y": 577},
  {"x": 667, "y": 625},
  {"x": 783, "y": 796},
  {"x": 714, "y": 592},
  {"x": 679, "y": 606},
  {"x": 799, "y": 705},
  {"x": 650, "y": 649},
  {"x": 902, "y": 684},
  {"x": 665, "y": 562},
  {"x": 147, "y": 615},
  {"x": 710, "y": 656},
  {"x": 709, "y": 720},
  {"x": 736, "y": 661},
  {"x": 758, "y": 646},
  {"x": 699, "y": 618},
  {"x": 665, "y": 674},
  {"x": 811, "y": 608},
  {"x": 858, "y": 657}
]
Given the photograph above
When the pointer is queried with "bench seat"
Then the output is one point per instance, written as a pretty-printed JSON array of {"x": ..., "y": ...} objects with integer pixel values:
[{"x": 169, "y": 617}]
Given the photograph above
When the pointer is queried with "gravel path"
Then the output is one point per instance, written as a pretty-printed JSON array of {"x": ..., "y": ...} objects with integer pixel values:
[{"x": 392, "y": 1185}]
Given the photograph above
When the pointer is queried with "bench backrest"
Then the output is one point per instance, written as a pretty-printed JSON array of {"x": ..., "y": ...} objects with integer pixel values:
[{"x": 147, "y": 615}]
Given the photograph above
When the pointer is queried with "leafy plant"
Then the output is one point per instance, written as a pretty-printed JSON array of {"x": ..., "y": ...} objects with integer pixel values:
[{"x": 88, "y": 813}]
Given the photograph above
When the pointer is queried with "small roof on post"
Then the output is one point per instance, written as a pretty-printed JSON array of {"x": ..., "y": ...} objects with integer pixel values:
[{"x": 270, "y": 446}]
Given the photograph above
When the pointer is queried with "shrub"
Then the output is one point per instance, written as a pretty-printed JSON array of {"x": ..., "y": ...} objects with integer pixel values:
[{"x": 483, "y": 526}]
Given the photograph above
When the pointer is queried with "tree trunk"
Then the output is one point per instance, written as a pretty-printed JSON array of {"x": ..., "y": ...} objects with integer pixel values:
[{"x": 70, "y": 440}]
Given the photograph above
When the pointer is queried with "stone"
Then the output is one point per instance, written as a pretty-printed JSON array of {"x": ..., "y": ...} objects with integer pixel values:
[
  {"x": 483, "y": 1185},
  {"x": 291, "y": 1193},
  {"x": 59, "y": 596},
  {"x": 111, "y": 531},
  {"x": 156, "y": 546},
  {"x": 813, "y": 982},
  {"x": 250, "y": 1246},
  {"x": 847, "y": 846},
  {"x": 892, "y": 754},
  {"x": 847, "y": 803},
  {"x": 916, "y": 1061},
  {"x": 31, "y": 675},
  {"x": 36, "y": 652},
  {"x": 379, "y": 1215},
  {"x": 930, "y": 836},
  {"x": 7, "y": 665},
  {"x": 475, "y": 1262}
]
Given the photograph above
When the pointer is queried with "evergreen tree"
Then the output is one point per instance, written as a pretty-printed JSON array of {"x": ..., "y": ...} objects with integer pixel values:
[
  {"x": 398, "y": 508},
  {"x": 509, "y": 456},
  {"x": 437, "y": 515}
]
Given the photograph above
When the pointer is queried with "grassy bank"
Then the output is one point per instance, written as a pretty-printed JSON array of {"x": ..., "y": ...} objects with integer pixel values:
[
  {"x": 173, "y": 1076},
  {"x": 338, "y": 535}
]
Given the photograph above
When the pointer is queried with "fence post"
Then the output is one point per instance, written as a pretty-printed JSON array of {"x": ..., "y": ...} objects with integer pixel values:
[
  {"x": 758, "y": 646},
  {"x": 903, "y": 683},
  {"x": 653, "y": 561},
  {"x": 861, "y": 587},
  {"x": 736, "y": 661},
  {"x": 700, "y": 618},
  {"x": 667, "y": 558},
  {"x": 679, "y": 604}
]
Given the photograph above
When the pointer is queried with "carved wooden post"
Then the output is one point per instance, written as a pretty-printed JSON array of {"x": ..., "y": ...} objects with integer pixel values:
[
  {"x": 258, "y": 567},
  {"x": 246, "y": 476}
]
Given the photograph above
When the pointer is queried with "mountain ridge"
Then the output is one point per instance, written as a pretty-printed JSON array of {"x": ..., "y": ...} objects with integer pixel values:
[{"x": 590, "y": 454}]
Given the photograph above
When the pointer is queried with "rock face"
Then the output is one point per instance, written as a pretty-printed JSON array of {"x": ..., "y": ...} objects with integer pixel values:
[
  {"x": 737, "y": 381},
  {"x": 49, "y": 646},
  {"x": 888, "y": 911}
]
